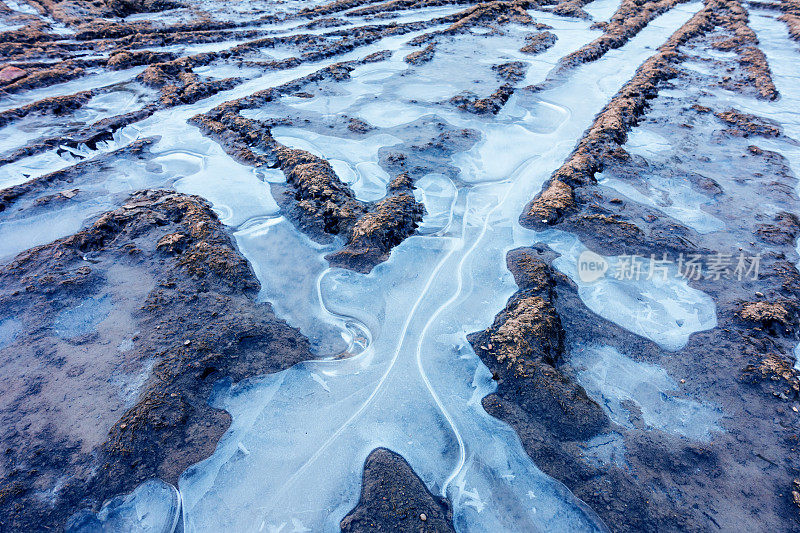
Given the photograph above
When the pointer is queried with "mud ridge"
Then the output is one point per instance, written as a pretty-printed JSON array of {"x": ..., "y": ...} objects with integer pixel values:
[
  {"x": 603, "y": 140},
  {"x": 197, "y": 320},
  {"x": 394, "y": 498}
]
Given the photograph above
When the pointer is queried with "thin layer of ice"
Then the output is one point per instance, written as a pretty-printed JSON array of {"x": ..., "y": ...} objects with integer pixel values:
[
  {"x": 48, "y": 215},
  {"x": 92, "y": 80},
  {"x": 605, "y": 449},
  {"x": 675, "y": 196},
  {"x": 123, "y": 99},
  {"x": 288, "y": 265},
  {"x": 9, "y": 329},
  {"x": 613, "y": 379},
  {"x": 21, "y": 6},
  {"x": 664, "y": 308},
  {"x": 153, "y": 507},
  {"x": 601, "y": 10},
  {"x": 437, "y": 193},
  {"x": 417, "y": 387},
  {"x": 82, "y": 318}
]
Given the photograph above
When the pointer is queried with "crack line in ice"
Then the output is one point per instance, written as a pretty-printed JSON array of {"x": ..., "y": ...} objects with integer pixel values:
[
  {"x": 276, "y": 417},
  {"x": 469, "y": 493},
  {"x": 382, "y": 380}
]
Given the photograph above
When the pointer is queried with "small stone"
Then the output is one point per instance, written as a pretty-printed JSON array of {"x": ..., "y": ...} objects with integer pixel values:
[
  {"x": 123, "y": 426},
  {"x": 683, "y": 381},
  {"x": 794, "y": 408},
  {"x": 187, "y": 343},
  {"x": 11, "y": 74},
  {"x": 172, "y": 243},
  {"x": 760, "y": 294},
  {"x": 423, "y": 517}
]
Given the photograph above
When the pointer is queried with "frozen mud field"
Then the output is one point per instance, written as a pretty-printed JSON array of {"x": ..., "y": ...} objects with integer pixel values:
[{"x": 404, "y": 265}]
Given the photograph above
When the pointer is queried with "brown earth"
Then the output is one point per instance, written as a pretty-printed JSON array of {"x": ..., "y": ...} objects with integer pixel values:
[
  {"x": 394, "y": 498},
  {"x": 100, "y": 398}
]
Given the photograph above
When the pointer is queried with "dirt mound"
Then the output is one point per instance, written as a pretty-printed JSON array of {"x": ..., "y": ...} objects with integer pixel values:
[
  {"x": 394, "y": 498},
  {"x": 117, "y": 394}
]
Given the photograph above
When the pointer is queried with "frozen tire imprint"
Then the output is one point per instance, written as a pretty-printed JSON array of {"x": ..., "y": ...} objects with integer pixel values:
[
  {"x": 416, "y": 389},
  {"x": 370, "y": 171}
]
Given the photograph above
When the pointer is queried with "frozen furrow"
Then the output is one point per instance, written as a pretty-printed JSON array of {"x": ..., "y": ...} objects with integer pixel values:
[
  {"x": 91, "y": 81},
  {"x": 416, "y": 389},
  {"x": 601, "y": 10},
  {"x": 118, "y": 100},
  {"x": 183, "y": 158},
  {"x": 783, "y": 55}
]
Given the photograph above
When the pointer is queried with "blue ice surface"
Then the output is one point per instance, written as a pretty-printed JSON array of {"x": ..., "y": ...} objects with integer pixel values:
[
  {"x": 614, "y": 380},
  {"x": 82, "y": 318},
  {"x": 153, "y": 507},
  {"x": 9, "y": 330}
]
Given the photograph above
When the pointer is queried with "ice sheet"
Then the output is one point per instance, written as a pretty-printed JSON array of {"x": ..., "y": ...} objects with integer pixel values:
[{"x": 613, "y": 379}]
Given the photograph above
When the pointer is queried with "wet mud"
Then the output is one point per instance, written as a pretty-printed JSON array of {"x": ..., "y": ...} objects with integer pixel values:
[
  {"x": 300, "y": 247},
  {"x": 154, "y": 295}
]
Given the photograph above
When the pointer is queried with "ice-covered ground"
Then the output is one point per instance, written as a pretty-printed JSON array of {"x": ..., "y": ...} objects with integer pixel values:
[
  {"x": 416, "y": 387},
  {"x": 613, "y": 379},
  {"x": 293, "y": 456}
]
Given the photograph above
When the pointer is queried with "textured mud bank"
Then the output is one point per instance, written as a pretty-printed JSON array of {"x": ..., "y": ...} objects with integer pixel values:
[
  {"x": 317, "y": 266},
  {"x": 113, "y": 338},
  {"x": 393, "y": 498}
]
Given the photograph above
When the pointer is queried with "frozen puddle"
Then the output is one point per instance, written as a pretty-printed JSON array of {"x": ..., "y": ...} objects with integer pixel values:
[
  {"x": 104, "y": 105},
  {"x": 417, "y": 386},
  {"x": 437, "y": 193},
  {"x": 83, "y": 318},
  {"x": 674, "y": 195},
  {"x": 614, "y": 381},
  {"x": 605, "y": 449},
  {"x": 601, "y": 10},
  {"x": 414, "y": 306},
  {"x": 288, "y": 265},
  {"x": 9, "y": 329},
  {"x": 154, "y": 507},
  {"x": 85, "y": 83},
  {"x": 293, "y": 456},
  {"x": 664, "y": 309}
]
